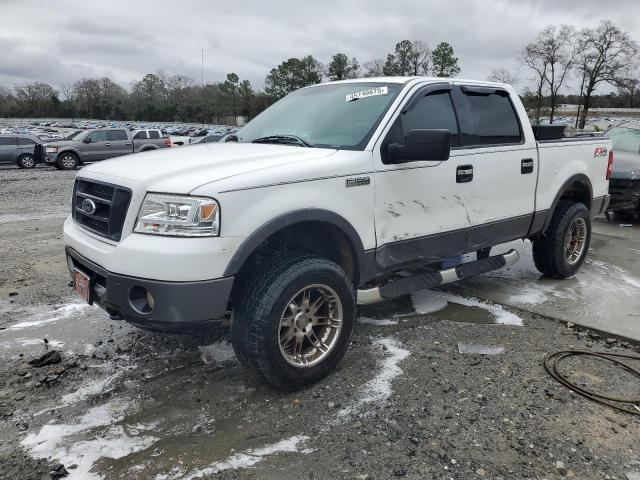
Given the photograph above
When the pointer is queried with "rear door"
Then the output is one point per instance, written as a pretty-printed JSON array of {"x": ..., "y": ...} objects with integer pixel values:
[
  {"x": 8, "y": 150},
  {"x": 118, "y": 143},
  {"x": 501, "y": 165}
]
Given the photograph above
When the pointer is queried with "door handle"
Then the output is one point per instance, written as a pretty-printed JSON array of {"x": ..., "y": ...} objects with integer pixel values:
[
  {"x": 464, "y": 173},
  {"x": 526, "y": 166},
  {"x": 128, "y": 143},
  {"x": 107, "y": 144}
]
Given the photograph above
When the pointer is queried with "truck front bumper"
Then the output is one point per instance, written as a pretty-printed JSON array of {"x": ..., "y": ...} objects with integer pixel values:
[{"x": 155, "y": 304}]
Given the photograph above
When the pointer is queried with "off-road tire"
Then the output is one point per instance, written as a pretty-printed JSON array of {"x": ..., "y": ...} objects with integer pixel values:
[
  {"x": 256, "y": 319},
  {"x": 27, "y": 161},
  {"x": 549, "y": 253},
  {"x": 68, "y": 161}
]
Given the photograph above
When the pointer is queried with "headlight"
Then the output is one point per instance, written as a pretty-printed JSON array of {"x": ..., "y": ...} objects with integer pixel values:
[
  {"x": 179, "y": 216},
  {"x": 52, "y": 149}
]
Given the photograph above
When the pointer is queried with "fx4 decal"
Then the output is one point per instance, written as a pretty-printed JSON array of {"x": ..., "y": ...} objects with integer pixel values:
[{"x": 600, "y": 152}]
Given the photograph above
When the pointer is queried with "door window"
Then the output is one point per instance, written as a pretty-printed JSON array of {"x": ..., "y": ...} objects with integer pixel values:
[
  {"x": 25, "y": 141},
  {"x": 98, "y": 136},
  {"x": 117, "y": 135},
  {"x": 154, "y": 134},
  {"x": 434, "y": 111},
  {"x": 495, "y": 118},
  {"x": 4, "y": 141}
]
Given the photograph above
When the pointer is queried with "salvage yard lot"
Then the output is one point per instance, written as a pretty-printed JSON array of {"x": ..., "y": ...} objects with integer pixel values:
[{"x": 405, "y": 403}]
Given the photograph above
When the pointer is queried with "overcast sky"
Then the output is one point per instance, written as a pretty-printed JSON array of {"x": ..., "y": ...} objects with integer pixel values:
[{"x": 60, "y": 41}]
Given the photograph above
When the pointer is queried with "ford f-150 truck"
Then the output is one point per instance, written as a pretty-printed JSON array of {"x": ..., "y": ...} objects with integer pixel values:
[
  {"x": 99, "y": 144},
  {"x": 339, "y": 194}
]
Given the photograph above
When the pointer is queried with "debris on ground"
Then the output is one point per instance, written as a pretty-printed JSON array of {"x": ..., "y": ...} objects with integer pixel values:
[
  {"x": 472, "y": 348},
  {"x": 49, "y": 358},
  {"x": 59, "y": 472}
]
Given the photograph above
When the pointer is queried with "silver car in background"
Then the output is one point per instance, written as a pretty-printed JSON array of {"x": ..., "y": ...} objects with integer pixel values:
[{"x": 21, "y": 150}]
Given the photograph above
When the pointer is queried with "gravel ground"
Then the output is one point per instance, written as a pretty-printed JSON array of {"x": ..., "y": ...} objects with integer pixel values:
[{"x": 404, "y": 403}]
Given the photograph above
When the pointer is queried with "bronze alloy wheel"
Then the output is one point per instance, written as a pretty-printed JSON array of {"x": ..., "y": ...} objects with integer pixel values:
[
  {"x": 575, "y": 240},
  {"x": 310, "y": 325}
]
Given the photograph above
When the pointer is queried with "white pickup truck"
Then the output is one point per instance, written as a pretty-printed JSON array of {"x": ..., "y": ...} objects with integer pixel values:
[{"x": 339, "y": 194}]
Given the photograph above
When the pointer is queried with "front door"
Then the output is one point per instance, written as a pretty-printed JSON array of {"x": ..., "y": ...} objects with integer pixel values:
[
  {"x": 422, "y": 209},
  {"x": 96, "y": 148}
]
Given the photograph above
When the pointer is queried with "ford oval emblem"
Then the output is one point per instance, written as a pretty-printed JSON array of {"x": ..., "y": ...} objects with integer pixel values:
[{"x": 88, "y": 206}]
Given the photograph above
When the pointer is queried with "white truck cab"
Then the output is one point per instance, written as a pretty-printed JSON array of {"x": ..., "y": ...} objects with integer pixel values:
[{"x": 340, "y": 193}]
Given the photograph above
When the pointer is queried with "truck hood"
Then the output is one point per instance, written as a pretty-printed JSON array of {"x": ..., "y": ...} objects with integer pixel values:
[
  {"x": 183, "y": 169},
  {"x": 60, "y": 143},
  {"x": 626, "y": 166}
]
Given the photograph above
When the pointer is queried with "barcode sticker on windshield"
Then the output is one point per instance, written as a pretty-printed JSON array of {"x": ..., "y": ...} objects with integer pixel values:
[{"x": 371, "y": 92}]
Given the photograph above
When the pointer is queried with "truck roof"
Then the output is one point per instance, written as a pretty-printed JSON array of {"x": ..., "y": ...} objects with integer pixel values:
[{"x": 400, "y": 80}]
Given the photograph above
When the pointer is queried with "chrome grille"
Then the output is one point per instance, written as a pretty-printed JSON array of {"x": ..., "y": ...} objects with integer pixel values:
[{"x": 100, "y": 207}]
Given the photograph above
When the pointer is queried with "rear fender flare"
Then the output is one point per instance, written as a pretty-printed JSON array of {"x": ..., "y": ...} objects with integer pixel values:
[{"x": 579, "y": 178}]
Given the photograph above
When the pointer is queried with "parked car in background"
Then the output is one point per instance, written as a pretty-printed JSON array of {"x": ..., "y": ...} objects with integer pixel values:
[
  {"x": 145, "y": 134},
  {"x": 99, "y": 144},
  {"x": 624, "y": 185},
  {"x": 20, "y": 150}
]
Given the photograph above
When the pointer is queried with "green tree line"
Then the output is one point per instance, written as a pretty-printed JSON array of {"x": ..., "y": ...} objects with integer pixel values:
[{"x": 163, "y": 97}]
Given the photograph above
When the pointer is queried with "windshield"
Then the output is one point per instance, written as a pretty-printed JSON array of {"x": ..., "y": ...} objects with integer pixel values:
[
  {"x": 625, "y": 139},
  {"x": 342, "y": 115},
  {"x": 72, "y": 135}
]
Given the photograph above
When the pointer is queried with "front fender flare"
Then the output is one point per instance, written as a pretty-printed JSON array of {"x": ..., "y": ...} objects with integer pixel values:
[{"x": 304, "y": 215}]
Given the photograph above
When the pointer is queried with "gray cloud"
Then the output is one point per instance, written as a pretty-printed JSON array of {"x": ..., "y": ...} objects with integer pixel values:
[{"x": 61, "y": 41}]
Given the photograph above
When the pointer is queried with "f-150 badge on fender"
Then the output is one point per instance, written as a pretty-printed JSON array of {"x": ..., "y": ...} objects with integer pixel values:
[{"x": 357, "y": 181}]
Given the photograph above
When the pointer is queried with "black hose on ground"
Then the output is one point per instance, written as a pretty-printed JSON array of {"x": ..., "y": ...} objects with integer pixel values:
[{"x": 628, "y": 405}]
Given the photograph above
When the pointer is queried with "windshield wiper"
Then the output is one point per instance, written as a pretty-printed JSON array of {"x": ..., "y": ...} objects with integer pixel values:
[{"x": 286, "y": 139}]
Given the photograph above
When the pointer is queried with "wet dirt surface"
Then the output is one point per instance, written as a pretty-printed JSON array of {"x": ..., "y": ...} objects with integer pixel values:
[{"x": 404, "y": 403}]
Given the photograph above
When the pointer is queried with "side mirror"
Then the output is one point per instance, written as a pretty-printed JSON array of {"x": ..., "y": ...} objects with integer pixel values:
[
  {"x": 422, "y": 145},
  {"x": 87, "y": 140}
]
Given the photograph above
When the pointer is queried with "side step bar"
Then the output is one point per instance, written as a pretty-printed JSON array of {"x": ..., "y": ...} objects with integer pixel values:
[{"x": 426, "y": 280}]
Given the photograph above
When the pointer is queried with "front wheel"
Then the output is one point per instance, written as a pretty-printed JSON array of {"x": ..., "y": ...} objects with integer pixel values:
[
  {"x": 67, "y": 161},
  {"x": 561, "y": 250},
  {"x": 295, "y": 320}
]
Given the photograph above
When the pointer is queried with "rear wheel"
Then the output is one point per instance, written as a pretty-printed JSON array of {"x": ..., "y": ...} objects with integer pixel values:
[
  {"x": 27, "y": 161},
  {"x": 68, "y": 161},
  {"x": 295, "y": 320},
  {"x": 561, "y": 250}
]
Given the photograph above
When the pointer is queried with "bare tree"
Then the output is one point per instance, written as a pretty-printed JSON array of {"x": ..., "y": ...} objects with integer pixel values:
[
  {"x": 502, "y": 75},
  {"x": 558, "y": 45},
  {"x": 629, "y": 85},
  {"x": 606, "y": 53},
  {"x": 533, "y": 58}
]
